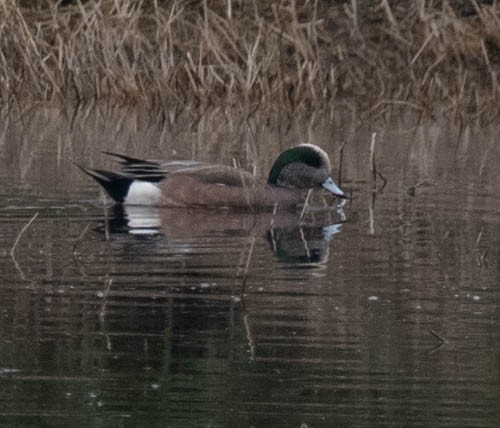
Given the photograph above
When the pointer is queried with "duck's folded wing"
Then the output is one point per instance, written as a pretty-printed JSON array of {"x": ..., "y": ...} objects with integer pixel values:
[
  {"x": 150, "y": 170},
  {"x": 155, "y": 171},
  {"x": 220, "y": 175}
]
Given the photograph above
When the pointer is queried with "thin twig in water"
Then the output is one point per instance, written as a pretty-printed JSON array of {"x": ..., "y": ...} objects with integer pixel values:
[
  {"x": 483, "y": 259},
  {"x": 441, "y": 338},
  {"x": 306, "y": 245},
  {"x": 105, "y": 212},
  {"x": 479, "y": 236},
  {"x": 442, "y": 341},
  {"x": 412, "y": 189},
  {"x": 306, "y": 204},
  {"x": 373, "y": 167},
  {"x": 341, "y": 162},
  {"x": 75, "y": 245},
  {"x": 384, "y": 181},
  {"x": 20, "y": 234},
  {"x": 371, "y": 217},
  {"x": 250, "y": 341},
  {"x": 247, "y": 264},
  {"x": 102, "y": 312},
  {"x": 271, "y": 228},
  {"x": 245, "y": 314},
  {"x": 481, "y": 255}
]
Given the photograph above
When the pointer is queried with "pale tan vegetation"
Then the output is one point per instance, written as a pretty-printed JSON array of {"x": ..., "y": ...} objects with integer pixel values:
[{"x": 426, "y": 55}]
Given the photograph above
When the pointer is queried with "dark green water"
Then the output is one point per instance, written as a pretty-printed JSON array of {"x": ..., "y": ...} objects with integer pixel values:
[{"x": 385, "y": 314}]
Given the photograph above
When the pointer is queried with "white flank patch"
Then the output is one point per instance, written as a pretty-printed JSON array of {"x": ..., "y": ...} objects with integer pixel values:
[{"x": 143, "y": 193}]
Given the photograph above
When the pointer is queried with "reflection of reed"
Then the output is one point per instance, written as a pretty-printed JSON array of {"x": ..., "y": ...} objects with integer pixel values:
[
  {"x": 481, "y": 255},
  {"x": 20, "y": 234},
  {"x": 102, "y": 311},
  {"x": 18, "y": 238},
  {"x": 306, "y": 205},
  {"x": 75, "y": 245},
  {"x": 373, "y": 167},
  {"x": 375, "y": 173},
  {"x": 246, "y": 315},
  {"x": 442, "y": 341}
]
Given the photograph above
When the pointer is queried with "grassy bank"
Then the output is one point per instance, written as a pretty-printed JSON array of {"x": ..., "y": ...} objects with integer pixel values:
[{"x": 426, "y": 55}]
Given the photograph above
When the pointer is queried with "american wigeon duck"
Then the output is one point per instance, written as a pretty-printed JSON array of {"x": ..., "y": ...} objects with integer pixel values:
[{"x": 191, "y": 183}]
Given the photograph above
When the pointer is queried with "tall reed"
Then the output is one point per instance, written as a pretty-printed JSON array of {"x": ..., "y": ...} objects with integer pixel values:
[{"x": 293, "y": 54}]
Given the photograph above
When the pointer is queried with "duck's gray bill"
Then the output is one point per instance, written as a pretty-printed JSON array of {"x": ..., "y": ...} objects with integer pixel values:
[{"x": 330, "y": 185}]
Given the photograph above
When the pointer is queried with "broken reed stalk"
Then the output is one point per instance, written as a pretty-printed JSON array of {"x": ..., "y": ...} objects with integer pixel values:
[
  {"x": 75, "y": 245},
  {"x": 306, "y": 204},
  {"x": 250, "y": 341},
  {"x": 478, "y": 240},
  {"x": 442, "y": 341},
  {"x": 249, "y": 257},
  {"x": 438, "y": 336},
  {"x": 371, "y": 215},
  {"x": 271, "y": 228},
  {"x": 373, "y": 167},
  {"x": 246, "y": 322},
  {"x": 108, "y": 282},
  {"x": 247, "y": 265},
  {"x": 481, "y": 255},
  {"x": 341, "y": 162},
  {"x": 105, "y": 214},
  {"x": 20, "y": 234}
]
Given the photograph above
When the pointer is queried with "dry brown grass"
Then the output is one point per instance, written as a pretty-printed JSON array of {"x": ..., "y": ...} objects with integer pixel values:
[{"x": 426, "y": 55}]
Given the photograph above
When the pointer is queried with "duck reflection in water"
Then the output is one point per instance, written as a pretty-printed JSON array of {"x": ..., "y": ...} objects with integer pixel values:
[
  {"x": 206, "y": 245},
  {"x": 292, "y": 239}
]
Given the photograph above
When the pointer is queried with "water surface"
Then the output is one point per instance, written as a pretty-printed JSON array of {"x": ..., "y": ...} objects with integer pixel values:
[{"x": 384, "y": 313}]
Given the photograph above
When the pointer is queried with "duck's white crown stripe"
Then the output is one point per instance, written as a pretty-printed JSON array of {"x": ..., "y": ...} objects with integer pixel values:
[{"x": 320, "y": 151}]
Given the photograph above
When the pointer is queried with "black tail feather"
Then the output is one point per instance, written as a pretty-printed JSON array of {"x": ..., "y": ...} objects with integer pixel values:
[
  {"x": 132, "y": 161},
  {"x": 116, "y": 185},
  {"x": 140, "y": 168}
]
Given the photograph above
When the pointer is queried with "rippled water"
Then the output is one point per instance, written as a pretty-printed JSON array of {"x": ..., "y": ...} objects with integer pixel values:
[{"x": 382, "y": 313}]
